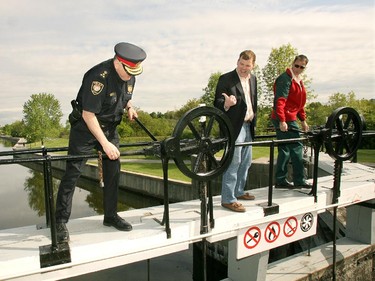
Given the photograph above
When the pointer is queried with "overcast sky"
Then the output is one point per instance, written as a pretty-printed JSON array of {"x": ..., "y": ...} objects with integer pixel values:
[{"x": 46, "y": 46}]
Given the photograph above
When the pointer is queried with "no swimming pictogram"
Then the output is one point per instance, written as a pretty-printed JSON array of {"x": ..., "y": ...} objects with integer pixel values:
[
  {"x": 290, "y": 226},
  {"x": 272, "y": 232},
  {"x": 252, "y": 237}
]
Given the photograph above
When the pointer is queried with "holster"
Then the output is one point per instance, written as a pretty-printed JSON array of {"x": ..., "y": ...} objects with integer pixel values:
[{"x": 76, "y": 114}]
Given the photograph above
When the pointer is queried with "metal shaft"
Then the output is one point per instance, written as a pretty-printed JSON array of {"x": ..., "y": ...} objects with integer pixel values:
[{"x": 145, "y": 129}]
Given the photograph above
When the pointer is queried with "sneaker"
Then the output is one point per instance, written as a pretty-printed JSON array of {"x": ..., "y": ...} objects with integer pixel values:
[
  {"x": 62, "y": 232},
  {"x": 235, "y": 206},
  {"x": 117, "y": 222}
]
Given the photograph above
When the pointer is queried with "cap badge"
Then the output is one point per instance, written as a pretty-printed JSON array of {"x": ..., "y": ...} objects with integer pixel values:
[{"x": 96, "y": 87}]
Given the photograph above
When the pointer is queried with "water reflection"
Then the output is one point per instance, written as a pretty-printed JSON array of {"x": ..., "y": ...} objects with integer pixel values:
[
  {"x": 22, "y": 195},
  {"x": 22, "y": 202},
  {"x": 34, "y": 187}
]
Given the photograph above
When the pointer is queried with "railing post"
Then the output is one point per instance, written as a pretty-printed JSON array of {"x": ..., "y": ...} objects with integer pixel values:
[
  {"x": 56, "y": 253},
  {"x": 165, "y": 221},
  {"x": 49, "y": 191},
  {"x": 270, "y": 175},
  {"x": 269, "y": 208},
  {"x": 314, "y": 190},
  {"x": 46, "y": 196}
]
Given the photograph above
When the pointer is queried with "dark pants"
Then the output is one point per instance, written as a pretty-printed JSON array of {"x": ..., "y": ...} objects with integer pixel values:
[
  {"x": 289, "y": 151},
  {"x": 82, "y": 142}
]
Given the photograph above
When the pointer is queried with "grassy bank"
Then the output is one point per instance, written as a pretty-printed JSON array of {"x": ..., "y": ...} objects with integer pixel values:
[{"x": 364, "y": 156}]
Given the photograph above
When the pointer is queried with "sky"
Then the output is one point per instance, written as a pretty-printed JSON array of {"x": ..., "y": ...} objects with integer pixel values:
[{"x": 47, "y": 45}]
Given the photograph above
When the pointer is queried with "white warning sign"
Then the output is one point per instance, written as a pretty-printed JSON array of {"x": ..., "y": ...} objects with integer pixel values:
[{"x": 256, "y": 239}]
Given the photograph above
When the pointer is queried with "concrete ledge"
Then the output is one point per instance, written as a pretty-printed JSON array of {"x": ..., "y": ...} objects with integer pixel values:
[{"x": 354, "y": 261}]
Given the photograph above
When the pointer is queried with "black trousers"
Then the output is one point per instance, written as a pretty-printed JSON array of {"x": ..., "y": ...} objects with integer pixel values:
[{"x": 82, "y": 142}]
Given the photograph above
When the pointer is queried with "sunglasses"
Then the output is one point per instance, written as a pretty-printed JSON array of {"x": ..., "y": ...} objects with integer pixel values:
[{"x": 299, "y": 66}]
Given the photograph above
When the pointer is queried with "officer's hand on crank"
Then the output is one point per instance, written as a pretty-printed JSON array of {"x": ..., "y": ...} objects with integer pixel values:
[
  {"x": 112, "y": 151},
  {"x": 132, "y": 114},
  {"x": 283, "y": 126}
]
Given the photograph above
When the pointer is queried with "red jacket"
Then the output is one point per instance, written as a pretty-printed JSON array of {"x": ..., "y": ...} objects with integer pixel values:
[{"x": 289, "y": 99}]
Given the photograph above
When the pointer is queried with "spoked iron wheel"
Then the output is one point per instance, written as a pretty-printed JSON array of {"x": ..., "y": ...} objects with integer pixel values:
[
  {"x": 343, "y": 133},
  {"x": 206, "y": 133}
]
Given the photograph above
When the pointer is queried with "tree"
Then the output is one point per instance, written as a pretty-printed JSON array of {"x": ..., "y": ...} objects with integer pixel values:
[
  {"x": 209, "y": 91},
  {"x": 317, "y": 114},
  {"x": 16, "y": 129},
  {"x": 339, "y": 100},
  {"x": 365, "y": 109},
  {"x": 190, "y": 104},
  {"x": 278, "y": 61},
  {"x": 42, "y": 115}
]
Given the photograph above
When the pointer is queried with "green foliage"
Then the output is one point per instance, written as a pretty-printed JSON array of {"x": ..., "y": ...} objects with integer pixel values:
[
  {"x": 209, "y": 91},
  {"x": 193, "y": 103},
  {"x": 158, "y": 126},
  {"x": 264, "y": 123},
  {"x": 278, "y": 61},
  {"x": 339, "y": 100},
  {"x": 42, "y": 115},
  {"x": 317, "y": 114},
  {"x": 16, "y": 129},
  {"x": 364, "y": 107}
]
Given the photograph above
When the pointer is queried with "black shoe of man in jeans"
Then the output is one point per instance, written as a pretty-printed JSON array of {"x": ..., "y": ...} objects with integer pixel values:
[{"x": 117, "y": 222}]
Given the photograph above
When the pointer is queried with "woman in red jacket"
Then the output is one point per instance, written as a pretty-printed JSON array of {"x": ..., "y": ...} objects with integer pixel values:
[{"x": 289, "y": 105}]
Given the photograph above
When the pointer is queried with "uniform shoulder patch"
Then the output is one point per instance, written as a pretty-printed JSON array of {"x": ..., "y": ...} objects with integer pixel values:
[{"x": 96, "y": 87}]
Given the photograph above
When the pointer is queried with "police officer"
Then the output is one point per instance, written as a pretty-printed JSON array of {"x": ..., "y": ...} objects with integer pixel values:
[{"x": 105, "y": 92}]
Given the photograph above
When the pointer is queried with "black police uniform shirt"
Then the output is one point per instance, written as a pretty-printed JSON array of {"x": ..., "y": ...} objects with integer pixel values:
[{"x": 104, "y": 93}]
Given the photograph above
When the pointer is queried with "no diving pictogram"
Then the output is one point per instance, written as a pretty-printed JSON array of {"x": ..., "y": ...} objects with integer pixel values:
[
  {"x": 252, "y": 237},
  {"x": 307, "y": 222},
  {"x": 290, "y": 226},
  {"x": 272, "y": 232}
]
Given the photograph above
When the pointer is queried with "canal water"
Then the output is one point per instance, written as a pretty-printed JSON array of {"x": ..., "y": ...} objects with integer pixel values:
[{"x": 22, "y": 202}]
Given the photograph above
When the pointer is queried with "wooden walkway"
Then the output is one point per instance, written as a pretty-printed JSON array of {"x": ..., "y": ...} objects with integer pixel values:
[{"x": 95, "y": 247}]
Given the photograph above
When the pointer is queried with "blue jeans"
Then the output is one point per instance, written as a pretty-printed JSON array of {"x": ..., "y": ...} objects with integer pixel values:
[{"x": 235, "y": 176}]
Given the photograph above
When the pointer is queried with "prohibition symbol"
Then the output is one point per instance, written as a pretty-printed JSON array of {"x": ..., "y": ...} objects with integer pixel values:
[
  {"x": 290, "y": 226},
  {"x": 272, "y": 232},
  {"x": 306, "y": 222},
  {"x": 252, "y": 237}
]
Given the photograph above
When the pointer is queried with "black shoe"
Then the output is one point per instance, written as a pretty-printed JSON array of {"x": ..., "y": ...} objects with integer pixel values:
[
  {"x": 117, "y": 222},
  {"x": 284, "y": 184},
  {"x": 62, "y": 232}
]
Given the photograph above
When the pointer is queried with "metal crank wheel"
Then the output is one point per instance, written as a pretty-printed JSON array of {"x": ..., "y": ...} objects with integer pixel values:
[
  {"x": 205, "y": 132},
  {"x": 343, "y": 133}
]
